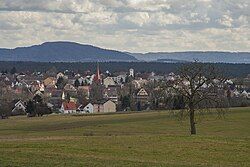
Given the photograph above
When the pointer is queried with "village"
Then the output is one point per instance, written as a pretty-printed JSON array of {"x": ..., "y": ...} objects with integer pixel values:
[{"x": 100, "y": 92}]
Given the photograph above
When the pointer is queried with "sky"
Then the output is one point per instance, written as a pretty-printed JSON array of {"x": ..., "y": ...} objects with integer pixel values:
[{"x": 129, "y": 25}]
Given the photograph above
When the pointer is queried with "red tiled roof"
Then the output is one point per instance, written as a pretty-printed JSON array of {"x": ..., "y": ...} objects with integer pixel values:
[{"x": 69, "y": 106}]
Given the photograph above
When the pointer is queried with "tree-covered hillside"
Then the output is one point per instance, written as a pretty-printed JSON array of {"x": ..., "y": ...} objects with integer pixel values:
[{"x": 232, "y": 70}]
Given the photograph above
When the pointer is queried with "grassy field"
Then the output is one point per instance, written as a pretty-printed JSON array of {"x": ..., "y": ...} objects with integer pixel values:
[{"x": 139, "y": 139}]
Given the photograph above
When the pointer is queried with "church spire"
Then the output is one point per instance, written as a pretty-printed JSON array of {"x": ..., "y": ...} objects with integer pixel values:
[{"x": 97, "y": 77}]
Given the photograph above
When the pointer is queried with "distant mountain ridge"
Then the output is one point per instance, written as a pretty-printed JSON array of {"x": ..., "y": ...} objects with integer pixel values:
[
  {"x": 75, "y": 52},
  {"x": 206, "y": 56},
  {"x": 63, "y": 52}
]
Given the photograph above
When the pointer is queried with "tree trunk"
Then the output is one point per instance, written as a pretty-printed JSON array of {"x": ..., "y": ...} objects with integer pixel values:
[{"x": 191, "y": 117}]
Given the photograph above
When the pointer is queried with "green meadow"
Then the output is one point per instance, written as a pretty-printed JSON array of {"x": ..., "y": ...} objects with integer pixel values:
[{"x": 136, "y": 139}]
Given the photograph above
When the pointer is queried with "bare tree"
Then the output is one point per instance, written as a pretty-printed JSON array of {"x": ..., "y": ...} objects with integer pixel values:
[
  {"x": 6, "y": 98},
  {"x": 96, "y": 92},
  {"x": 202, "y": 86}
]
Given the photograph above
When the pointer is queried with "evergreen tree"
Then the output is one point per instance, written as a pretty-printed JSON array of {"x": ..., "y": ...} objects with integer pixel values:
[
  {"x": 125, "y": 102},
  {"x": 4, "y": 72},
  {"x": 5, "y": 109},
  {"x": 60, "y": 83},
  {"x": 77, "y": 83},
  {"x": 30, "y": 108},
  {"x": 138, "y": 106},
  {"x": 42, "y": 109},
  {"x": 157, "y": 103}
]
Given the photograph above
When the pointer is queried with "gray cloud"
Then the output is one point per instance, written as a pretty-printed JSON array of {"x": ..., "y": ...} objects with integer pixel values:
[{"x": 133, "y": 25}]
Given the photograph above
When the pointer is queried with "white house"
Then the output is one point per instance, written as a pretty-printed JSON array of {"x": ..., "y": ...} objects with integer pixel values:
[
  {"x": 120, "y": 79},
  {"x": 245, "y": 94},
  {"x": 108, "y": 81},
  {"x": 19, "y": 106},
  {"x": 89, "y": 108},
  {"x": 170, "y": 77},
  {"x": 60, "y": 75},
  {"x": 139, "y": 83}
]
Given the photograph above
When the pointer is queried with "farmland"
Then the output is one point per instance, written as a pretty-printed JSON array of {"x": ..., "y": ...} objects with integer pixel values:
[{"x": 136, "y": 139}]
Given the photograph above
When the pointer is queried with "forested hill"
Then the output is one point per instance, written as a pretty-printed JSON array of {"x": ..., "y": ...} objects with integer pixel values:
[
  {"x": 231, "y": 70},
  {"x": 63, "y": 52}
]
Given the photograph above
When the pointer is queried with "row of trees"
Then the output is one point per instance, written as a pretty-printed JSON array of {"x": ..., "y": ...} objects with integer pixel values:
[
  {"x": 232, "y": 70},
  {"x": 176, "y": 102},
  {"x": 12, "y": 71}
]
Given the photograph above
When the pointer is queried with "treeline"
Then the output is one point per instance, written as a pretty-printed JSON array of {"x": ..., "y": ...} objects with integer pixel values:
[{"x": 230, "y": 70}]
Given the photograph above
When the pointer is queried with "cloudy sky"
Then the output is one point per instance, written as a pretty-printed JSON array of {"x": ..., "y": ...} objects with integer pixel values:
[{"x": 128, "y": 25}]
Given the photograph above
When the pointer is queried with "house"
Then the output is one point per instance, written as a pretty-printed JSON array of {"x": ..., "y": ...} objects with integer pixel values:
[
  {"x": 50, "y": 81},
  {"x": 108, "y": 82},
  {"x": 54, "y": 97},
  {"x": 108, "y": 106},
  {"x": 35, "y": 85},
  {"x": 110, "y": 93},
  {"x": 87, "y": 80},
  {"x": 142, "y": 95},
  {"x": 89, "y": 108},
  {"x": 120, "y": 78},
  {"x": 4, "y": 86},
  {"x": 19, "y": 106},
  {"x": 68, "y": 107},
  {"x": 245, "y": 94},
  {"x": 60, "y": 75},
  {"x": 142, "y": 99},
  {"x": 85, "y": 90},
  {"x": 171, "y": 77},
  {"x": 139, "y": 83},
  {"x": 80, "y": 79},
  {"x": 98, "y": 108},
  {"x": 236, "y": 93},
  {"x": 155, "y": 77},
  {"x": 6, "y": 81},
  {"x": 50, "y": 106},
  {"x": 72, "y": 81},
  {"x": 69, "y": 88},
  {"x": 70, "y": 91}
]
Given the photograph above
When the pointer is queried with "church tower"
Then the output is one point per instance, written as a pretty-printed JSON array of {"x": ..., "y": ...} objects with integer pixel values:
[{"x": 97, "y": 78}]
